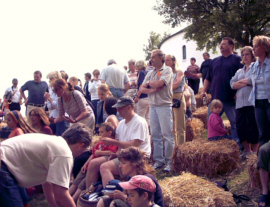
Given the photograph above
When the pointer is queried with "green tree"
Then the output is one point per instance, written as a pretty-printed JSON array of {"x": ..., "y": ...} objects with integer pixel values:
[
  {"x": 211, "y": 20},
  {"x": 153, "y": 43}
]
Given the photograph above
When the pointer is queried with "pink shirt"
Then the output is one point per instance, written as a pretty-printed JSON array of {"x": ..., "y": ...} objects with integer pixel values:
[{"x": 215, "y": 126}]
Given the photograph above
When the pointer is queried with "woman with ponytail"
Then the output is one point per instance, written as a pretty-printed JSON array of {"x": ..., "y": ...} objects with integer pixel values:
[{"x": 73, "y": 103}]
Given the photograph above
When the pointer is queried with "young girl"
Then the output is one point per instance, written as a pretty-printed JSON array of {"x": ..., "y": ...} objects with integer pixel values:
[
  {"x": 100, "y": 154},
  {"x": 103, "y": 93},
  {"x": 216, "y": 128},
  {"x": 19, "y": 126}
]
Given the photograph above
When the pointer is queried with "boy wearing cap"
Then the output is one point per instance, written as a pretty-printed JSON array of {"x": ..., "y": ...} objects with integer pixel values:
[{"x": 140, "y": 190}]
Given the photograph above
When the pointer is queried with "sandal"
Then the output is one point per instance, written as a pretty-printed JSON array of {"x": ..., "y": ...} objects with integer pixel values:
[{"x": 263, "y": 201}]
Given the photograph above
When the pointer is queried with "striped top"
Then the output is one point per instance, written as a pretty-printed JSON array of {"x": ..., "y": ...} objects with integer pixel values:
[{"x": 242, "y": 94}]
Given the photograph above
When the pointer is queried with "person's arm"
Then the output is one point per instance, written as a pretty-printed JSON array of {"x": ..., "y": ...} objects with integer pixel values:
[
  {"x": 206, "y": 85},
  {"x": 235, "y": 82},
  {"x": 62, "y": 196},
  {"x": 121, "y": 144},
  {"x": 178, "y": 80},
  {"x": 114, "y": 121},
  {"x": 217, "y": 125},
  {"x": 83, "y": 169},
  {"x": 23, "y": 95},
  {"x": 99, "y": 153},
  {"x": 127, "y": 86},
  {"x": 48, "y": 192},
  {"x": 144, "y": 89},
  {"x": 58, "y": 119}
]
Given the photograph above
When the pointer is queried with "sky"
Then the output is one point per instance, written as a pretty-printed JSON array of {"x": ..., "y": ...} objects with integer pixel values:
[{"x": 74, "y": 36}]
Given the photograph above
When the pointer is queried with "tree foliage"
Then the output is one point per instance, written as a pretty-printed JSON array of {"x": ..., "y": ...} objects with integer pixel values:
[
  {"x": 153, "y": 42},
  {"x": 211, "y": 20}
]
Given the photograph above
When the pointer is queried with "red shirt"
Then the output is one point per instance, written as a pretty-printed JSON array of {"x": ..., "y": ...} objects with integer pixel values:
[{"x": 102, "y": 147}]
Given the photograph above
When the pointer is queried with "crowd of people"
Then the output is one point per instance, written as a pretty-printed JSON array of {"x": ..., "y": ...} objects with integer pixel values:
[{"x": 153, "y": 98}]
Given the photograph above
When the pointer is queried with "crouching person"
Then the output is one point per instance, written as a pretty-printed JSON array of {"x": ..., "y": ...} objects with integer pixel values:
[{"x": 34, "y": 159}]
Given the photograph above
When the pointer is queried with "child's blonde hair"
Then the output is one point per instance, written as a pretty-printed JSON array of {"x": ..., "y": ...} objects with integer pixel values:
[
  {"x": 215, "y": 103},
  {"x": 108, "y": 128},
  {"x": 105, "y": 88}
]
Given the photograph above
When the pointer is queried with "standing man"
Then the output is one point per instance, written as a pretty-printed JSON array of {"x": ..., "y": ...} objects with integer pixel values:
[
  {"x": 87, "y": 77},
  {"x": 219, "y": 75},
  {"x": 115, "y": 78},
  {"x": 15, "y": 98},
  {"x": 205, "y": 67},
  {"x": 158, "y": 85},
  {"x": 193, "y": 75},
  {"x": 36, "y": 91}
]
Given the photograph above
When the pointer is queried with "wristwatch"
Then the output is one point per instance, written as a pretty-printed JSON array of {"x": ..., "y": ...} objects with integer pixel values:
[{"x": 75, "y": 120}]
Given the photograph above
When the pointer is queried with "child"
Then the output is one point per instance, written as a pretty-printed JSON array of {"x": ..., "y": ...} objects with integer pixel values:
[
  {"x": 140, "y": 190},
  {"x": 18, "y": 125},
  {"x": 187, "y": 96},
  {"x": 101, "y": 152},
  {"x": 216, "y": 128}
]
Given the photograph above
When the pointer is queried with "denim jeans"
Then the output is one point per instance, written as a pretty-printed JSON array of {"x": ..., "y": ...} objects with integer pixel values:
[
  {"x": 95, "y": 102},
  {"x": 10, "y": 195},
  {"x": 229, "y": 109},
  {"x": 161, "y": 125},
  {"x": 220, "y": 137},
  {"x": 117, "y": 92},
  {"x": 262, "y": 115}
]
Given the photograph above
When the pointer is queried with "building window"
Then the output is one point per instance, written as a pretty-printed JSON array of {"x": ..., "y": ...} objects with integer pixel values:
[{"x": 184, "y": 52}]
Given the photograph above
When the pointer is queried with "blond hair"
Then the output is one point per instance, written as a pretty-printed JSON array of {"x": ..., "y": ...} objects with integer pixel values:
[
  {"x": 250, "y": 49},
  {"x": 215, "y": 103},
  {"x": 105, "y": 88},
  {"x": 264, "y": 42},
  {"x": 54, "y": 74}
]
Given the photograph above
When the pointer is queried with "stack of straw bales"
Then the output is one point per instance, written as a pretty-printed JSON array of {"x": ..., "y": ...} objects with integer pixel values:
[
  {"x": 194, "y": 129},
  {"x": 227, "y": 126},
  {"x": 199, "y": 101},
  {"x": 190, "y": 190},
  {"x": 206, "y": 158},
  {"x": 201, "y": 113}
]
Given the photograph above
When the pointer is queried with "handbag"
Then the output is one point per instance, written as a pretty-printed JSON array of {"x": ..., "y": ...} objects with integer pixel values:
[
  {"x": 90, "y": 196},
  {"x": 177, "y": 103}
]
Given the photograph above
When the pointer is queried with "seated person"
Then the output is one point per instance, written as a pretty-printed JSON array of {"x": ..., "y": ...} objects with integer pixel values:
[
  {"x": 187, "y": 96},
  {"x": 132, "y": 162},
  {"x": 264, "y": 169},
  {"x": 131, "y": 131},
  {"x": 140, "y": 189},
  {"x": 216, "y": 128},
  {"x": 100, "y": 154}
]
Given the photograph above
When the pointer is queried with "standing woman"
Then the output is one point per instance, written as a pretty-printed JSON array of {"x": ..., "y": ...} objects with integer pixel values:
[
  {"x": 245, "y": 115},
  {"x": 178, "y": 89},
  {"x": 75, "y": 82},
  {"x": 133, "y": 79},
  {"x": 73, "y": 103},
  {"x": 92, "y": 87},
  {"x": 141, "y": 98},
  {"x": 260, "y": 79}
]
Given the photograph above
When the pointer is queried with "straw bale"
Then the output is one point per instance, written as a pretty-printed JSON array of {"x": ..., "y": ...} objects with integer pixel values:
[
  {"x": 199, "y": 101},
  {"x": 3, "y": 124},
  {"x": 206, "y": 158},
  {"x": 200, "y": 90},
  {"x": 190, "y": 190},
  {"x": 194, "y": 129},
  {"x": 227, "y": 126},
  {"x": 201, "y": 113}
]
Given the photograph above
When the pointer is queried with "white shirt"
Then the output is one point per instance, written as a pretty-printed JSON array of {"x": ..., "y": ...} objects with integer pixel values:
[
  {"x": 36, "y": 158},
  {"x": 92, "y": 88},
  {"x": 53, "y": 106},
  {"x": 16, "y": 96},
  {"x": 136, "y": 128}
]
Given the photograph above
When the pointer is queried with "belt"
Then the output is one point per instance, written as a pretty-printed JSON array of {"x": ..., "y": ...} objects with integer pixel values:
[
  {"x": 117, "y": 88},
  {"x": 37, "y": 105}
]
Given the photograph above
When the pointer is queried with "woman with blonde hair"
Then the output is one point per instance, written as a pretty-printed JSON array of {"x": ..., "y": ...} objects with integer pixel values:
[
  {"x": 73, "y": 103},
  {"x": 75, "y": 82},
  {"x": 40, "y": 121},
  {"x": 178, "y": 89},
  {"x": 245, "y": 115},
  {"x": 141, "y": 98}
]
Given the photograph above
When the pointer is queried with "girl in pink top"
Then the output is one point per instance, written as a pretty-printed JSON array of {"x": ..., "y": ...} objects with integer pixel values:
[{"x": 216, "y": 128}]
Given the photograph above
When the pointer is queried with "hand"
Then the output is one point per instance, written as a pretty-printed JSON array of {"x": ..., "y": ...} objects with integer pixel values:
[
  {"x": 117, "y": 194},
  {"x": 203, "y": 94},
  {"x": 47, "y": 96},
  {"x": 26, "y": 101},
  {"x": 136, "y": 99},
  {"x": 113, "y": 156},
  {"x": 83, "y": 169},
  {"x": 107, "y": 141},
  {"x": 68, "y": 119}
]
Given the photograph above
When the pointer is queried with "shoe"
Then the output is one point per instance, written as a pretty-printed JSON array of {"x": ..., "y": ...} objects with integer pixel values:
[
  {"x": 158, "y": 165},
  {"x": 263, "y": 202},
  {"x": 167, "y": 168}
]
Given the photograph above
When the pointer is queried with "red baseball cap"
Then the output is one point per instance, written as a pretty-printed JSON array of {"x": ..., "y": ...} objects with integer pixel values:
[{"x": 139, "y": 181}]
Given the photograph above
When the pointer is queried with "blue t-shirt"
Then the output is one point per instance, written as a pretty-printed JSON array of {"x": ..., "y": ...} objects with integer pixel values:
[
  {"x": 36, "y": 91},
  {"x": 219, "y": 75},
  {"x": 142, "y": 75}
]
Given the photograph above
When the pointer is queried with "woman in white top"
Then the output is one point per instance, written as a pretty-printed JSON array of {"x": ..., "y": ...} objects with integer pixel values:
[{"x": 92, "y": 88}]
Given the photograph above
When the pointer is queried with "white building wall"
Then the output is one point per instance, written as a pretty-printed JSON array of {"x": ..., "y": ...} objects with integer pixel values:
[{"x": 174, "y": 46}]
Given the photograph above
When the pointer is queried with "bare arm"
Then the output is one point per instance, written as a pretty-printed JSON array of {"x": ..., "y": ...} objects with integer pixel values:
[
  {"x": 127, "y": 86},
  {"x": 102, "y": 81},
  {"x": 120, "y": 144},
  {"x": 178, "y": 79},
  {"x": 62, "y": 196},
  {"x": 48, "y": 191},
  {"x": 23, "y": 95},
  {"x": 156, "y": 84}
]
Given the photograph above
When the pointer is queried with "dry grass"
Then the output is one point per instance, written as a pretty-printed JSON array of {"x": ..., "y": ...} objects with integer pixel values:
[
  {"x": 201, "y": 113},
  {"x": 194, "y": 129}
]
